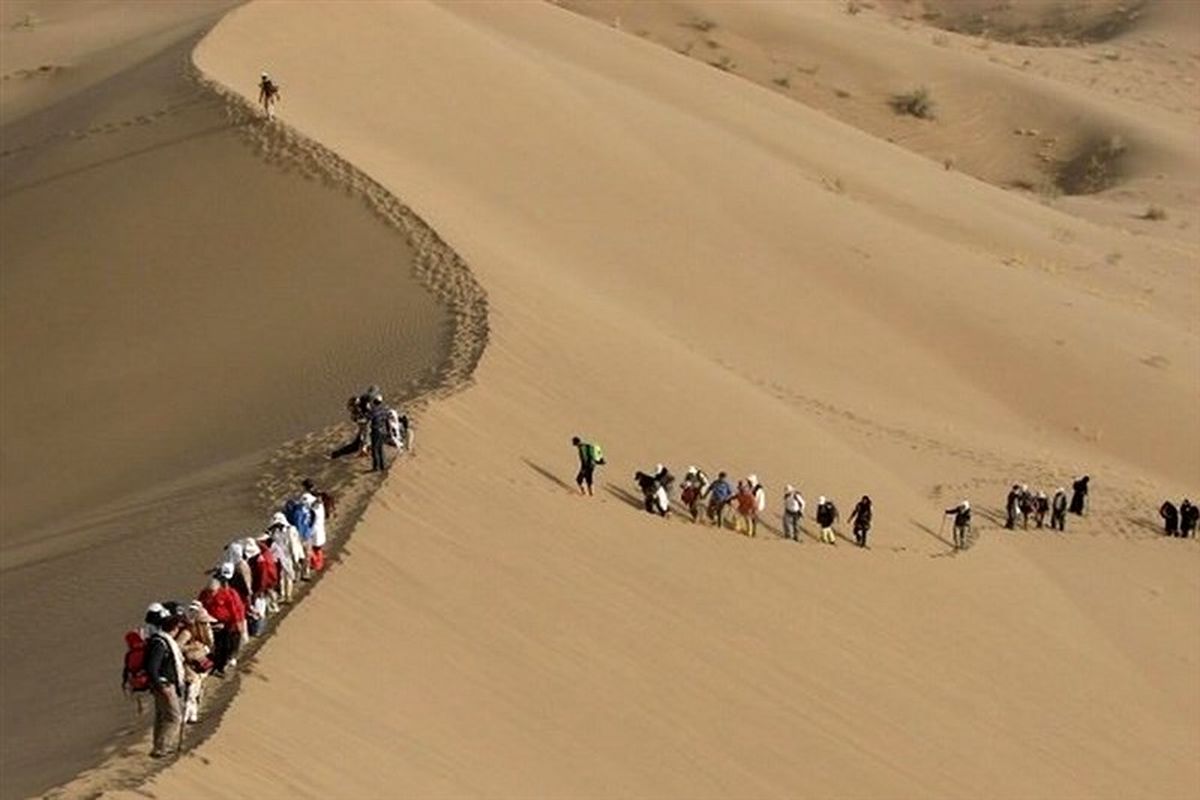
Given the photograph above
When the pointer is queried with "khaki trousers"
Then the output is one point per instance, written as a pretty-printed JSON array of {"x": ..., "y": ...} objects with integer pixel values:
[{"x": 168, "y": 718}]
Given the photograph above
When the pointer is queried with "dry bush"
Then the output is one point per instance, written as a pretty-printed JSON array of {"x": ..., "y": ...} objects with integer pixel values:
[
  {"x": 1155, "y": 213},
  {"x": 1095, "y": 166},
  {"x": 916, "y": 103}
]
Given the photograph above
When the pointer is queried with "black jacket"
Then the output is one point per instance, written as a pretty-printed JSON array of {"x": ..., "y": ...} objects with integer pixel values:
[{"x": 160, "y": 664}]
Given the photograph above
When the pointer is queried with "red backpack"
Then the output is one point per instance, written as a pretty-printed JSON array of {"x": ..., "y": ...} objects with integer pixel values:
[{"x": 135, "y": 678}]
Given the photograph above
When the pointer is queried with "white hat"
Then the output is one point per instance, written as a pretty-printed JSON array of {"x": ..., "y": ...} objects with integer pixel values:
[
  {"x": 225, "y": 570},
  {"x": 279, "y": 519},
  {"x": 658, "y": 468},
  {"x": 966, "y": 504},
  {"x": 235, "y": 550},
  {"x": 820, "y": 499},
  {"x": 753, "y": 479},
  {"x": 250, "y": 548},
  {"x": 692, "y": 471},
  {"x": 789, "y": 489}
]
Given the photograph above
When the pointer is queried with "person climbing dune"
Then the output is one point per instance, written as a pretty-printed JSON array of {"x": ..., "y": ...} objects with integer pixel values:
[{"x": 268, "y": 95}]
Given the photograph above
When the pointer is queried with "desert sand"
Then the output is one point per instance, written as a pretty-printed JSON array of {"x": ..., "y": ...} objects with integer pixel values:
[{"x": 690, "y": 265}]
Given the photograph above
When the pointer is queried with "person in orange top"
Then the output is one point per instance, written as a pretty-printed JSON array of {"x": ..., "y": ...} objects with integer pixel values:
[{"x": 746, "y": 506}]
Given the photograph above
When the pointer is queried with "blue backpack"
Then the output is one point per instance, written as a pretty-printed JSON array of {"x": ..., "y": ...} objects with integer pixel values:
[{"x": 299, "y": 515}]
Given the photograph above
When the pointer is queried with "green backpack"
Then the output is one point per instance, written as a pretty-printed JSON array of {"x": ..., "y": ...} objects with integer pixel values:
[{"x": 597, "y": 453}]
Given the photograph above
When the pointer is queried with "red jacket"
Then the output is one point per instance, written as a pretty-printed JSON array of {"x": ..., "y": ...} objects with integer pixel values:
[
  {"x": 225, "y": 604},
  {"x": 265, "y": 570}
]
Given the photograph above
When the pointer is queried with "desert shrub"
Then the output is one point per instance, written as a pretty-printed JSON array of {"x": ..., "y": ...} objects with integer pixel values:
[
  {"x": 1095, "y": 166},
  {"x": 1155, "y": 213},
  {"x": 916, "y": 103}
]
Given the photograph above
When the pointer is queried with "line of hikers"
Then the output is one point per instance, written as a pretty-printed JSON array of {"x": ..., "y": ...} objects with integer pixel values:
[
  {"x": 718, "y": 502},
  {"x": 1024, "y": 503},
  {"x": 1179, "y": 521},
  {"x": 180, "y": 644}
]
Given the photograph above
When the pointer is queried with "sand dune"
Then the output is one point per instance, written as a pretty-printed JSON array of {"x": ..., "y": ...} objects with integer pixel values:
[
  {"x": 174, "y": 309},
  {"x": 692, "y": 268}
]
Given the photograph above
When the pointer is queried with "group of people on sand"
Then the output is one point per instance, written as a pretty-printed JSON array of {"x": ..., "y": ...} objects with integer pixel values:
[
  {"x": 377, "y": 426},
  {"x": 181, "y": 643},
  {"x": 723, "y": 504},
  {"x": 1024, "y": 503},
  {"x": 1179, "y": 521}
]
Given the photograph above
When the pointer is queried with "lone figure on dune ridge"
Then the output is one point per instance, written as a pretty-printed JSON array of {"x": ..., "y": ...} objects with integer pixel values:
[{"x": 268, "y": 95}]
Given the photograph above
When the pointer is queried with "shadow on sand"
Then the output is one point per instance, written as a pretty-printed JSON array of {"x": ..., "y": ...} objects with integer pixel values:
[{"x": 550, "y": 476}]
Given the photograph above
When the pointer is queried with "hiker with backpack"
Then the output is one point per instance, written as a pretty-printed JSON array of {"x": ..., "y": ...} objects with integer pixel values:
[
  {"x": 268, "y": 95},
  {"x": 793, "y": 512},
  {"x": 860, "y": 518},
  {"x": 590, "y": 456},
  {"x": 719, "y": 495},
  {"x": 301, "y": 517},
  {"x": 164, "y": 668},
  {"x": 760, "y": 501},
  {"x": 827, "y": 515},
  {"x": 399, "y": 432},
  {"x": 962, "y": 523},
  {"x": 1058, "y": 510}
]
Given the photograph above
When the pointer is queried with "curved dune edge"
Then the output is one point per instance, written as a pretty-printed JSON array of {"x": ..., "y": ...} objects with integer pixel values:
[
  {"x": 441, "y": 270},
  {"x": 445, "y": 275}
]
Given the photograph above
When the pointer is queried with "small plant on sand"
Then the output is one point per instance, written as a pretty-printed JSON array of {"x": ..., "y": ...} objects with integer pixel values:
[
  {"x": 853, "y": 7},
  {"x": 916, "y": 103},
  {"x": 784, "y": 82},
  {"x": 1155, "y": 213}
]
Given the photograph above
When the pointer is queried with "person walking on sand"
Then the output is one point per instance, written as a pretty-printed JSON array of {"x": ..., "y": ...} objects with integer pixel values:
[
  {"x": 1189, "y": 514},
  {"x": 827, "y": 515},
  {"x": 1012, "y": 506},
  {"x": 590, "y": 457},
  {"x": 719, "y": 495},
  {"x": 1079, "y": 494},
  {"x": 226, "y": 606},
  {"x": 359, "y": 408},
  {"x": 760, "y": 501},
  {"x": 1170, "y": 516},
  {"x": 860, "y": 517},
  {"x": 743, "y": 501},
  {"x": 268, "y": 95},
  {"x": 1025, "y": 505},
  {"x": 1041, "y": 505},
  {"x": 380, "y": 427},
  {"x": 693, "y": 488},
  {"x": 962, "y": 523},
  {"x": 1058, "y": 510},
  {"x": 793, "y": 512},
  {"x": 164, "y": 665}
]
